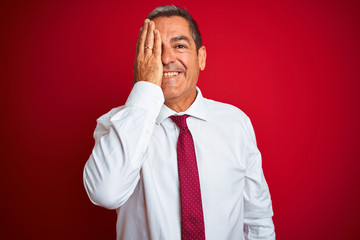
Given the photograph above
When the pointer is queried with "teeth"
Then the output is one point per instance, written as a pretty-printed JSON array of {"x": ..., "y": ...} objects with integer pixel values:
[{"x": 170, "y": 74}]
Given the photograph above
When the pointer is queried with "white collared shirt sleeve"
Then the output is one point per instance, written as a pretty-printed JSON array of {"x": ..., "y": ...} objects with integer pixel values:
[
  {"x": 258, "y": 224},
  {"x": 121, "y": 140}
]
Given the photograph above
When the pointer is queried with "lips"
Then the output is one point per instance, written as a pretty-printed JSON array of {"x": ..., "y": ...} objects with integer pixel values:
[{"x": 170, "y": 74}]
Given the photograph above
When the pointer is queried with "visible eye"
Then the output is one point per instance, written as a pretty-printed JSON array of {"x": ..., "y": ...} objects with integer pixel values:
[{"x": 180, "y": 46}]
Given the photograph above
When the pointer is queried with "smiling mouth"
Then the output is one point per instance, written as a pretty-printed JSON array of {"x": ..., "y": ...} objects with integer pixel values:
[{"x": 170, "y": 74}]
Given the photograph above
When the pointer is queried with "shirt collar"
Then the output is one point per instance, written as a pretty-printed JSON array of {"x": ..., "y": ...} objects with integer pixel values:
[{"x": 197, "y": 109}]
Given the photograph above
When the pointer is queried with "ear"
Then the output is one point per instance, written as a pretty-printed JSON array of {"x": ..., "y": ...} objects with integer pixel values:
[{"x": 202, "y": 57}]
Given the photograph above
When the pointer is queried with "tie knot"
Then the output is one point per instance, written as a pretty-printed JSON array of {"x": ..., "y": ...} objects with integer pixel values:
[{"x": 180, "y": 120}]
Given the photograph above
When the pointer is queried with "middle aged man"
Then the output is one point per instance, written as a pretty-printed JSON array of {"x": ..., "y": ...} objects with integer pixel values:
[{"x": 174, "y": 164}]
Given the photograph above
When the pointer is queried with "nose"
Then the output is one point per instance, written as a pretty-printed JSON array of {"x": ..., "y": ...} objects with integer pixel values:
[{"x": 167, "y": 55}]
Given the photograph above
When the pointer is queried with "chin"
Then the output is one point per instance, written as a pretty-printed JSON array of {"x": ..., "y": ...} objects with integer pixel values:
[{"x": 168, "y": 95}]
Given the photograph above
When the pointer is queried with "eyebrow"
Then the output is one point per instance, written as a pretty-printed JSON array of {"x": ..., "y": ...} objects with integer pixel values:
[{"x": 179, "y": 38}]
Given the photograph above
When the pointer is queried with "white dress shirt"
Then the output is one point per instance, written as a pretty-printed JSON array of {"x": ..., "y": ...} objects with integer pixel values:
[{"x": 133, "y": 169}]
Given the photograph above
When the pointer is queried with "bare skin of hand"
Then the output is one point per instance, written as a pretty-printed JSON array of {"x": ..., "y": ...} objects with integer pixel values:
[{"x": 148, "y": 66}]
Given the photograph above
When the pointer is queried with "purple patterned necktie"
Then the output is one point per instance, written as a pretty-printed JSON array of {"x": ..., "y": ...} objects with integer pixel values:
[{"x": 192, "y": 219}]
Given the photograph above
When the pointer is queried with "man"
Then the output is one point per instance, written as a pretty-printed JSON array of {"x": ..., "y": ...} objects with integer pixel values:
[{"x": 173, "y": 164}]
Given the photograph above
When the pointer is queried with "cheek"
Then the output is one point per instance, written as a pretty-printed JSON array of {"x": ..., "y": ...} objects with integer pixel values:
[
  {"x": 185, "y": 59},
  {"x": 192, "y": 68}
]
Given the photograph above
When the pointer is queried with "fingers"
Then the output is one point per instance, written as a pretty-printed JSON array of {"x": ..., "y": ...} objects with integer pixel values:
[
  {"x": 142, "y": 37},
  {"x": 157, "y": 43},
  {"x": 147, "y": 65},
  {"x": 149, "y": 41}
]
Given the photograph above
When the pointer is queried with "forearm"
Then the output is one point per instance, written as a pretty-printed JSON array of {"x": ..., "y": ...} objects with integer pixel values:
[
  {"x": 258, "y": 211},
  {"x": 113, "y": 169}
]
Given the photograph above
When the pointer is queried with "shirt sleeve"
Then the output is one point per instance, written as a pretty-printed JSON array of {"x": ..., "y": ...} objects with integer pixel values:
[
  {"x": 121, "y": 138},
  {"x": 258, "y": 211}
]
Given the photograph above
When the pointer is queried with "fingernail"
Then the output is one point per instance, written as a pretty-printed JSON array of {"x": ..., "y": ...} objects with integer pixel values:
[
  {"x": 147, "y": 20},
  {"x": 150, "y": 23}
]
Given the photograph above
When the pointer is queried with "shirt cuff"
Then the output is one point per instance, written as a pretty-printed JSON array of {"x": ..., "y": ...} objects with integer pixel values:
[{"x": 146, "y": 95}]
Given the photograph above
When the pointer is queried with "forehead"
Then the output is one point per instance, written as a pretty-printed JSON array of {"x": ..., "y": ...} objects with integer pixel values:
[{"x": 172, "y": 26}]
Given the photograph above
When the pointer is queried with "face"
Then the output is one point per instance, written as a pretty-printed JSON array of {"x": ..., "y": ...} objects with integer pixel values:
[{"x": 181, "y": 62}]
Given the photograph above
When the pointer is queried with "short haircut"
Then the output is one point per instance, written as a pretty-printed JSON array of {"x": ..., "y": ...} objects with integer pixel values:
[{"x": 171, "y": 10}]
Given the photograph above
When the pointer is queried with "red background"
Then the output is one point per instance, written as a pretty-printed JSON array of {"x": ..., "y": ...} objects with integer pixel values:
[{"x": 292, "y": 66}]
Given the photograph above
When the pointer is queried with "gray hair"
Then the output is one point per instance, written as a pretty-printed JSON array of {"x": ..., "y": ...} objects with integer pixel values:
[{"x": 171, "y": 10}]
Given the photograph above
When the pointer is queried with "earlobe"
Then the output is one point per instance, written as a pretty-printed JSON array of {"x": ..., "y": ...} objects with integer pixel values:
[{"x": 202, "y": 57}]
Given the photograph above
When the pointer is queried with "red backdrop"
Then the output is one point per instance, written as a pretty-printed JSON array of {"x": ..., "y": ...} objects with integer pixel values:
[{"x": 292, "y": 66}]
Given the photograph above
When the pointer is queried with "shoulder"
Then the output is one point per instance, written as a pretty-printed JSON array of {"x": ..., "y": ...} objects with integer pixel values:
[
  {"x": 224, "y": 110},
  {"x": 228, "y": 117}
]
